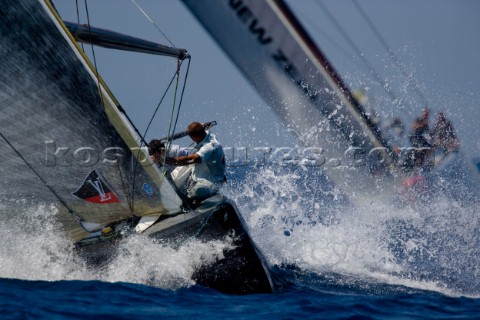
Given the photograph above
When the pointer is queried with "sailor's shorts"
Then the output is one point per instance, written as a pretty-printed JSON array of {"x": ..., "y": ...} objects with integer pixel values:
[{"x": 201, "y": 189}]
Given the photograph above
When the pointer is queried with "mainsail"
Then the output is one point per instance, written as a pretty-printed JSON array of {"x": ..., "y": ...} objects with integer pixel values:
[
  {"x": 278, "y": 57},
  {"x": 63, "y": 138}
]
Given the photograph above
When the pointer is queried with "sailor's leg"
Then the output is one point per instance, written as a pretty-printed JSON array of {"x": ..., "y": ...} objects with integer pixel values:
[{"x": 201, "y": 189}]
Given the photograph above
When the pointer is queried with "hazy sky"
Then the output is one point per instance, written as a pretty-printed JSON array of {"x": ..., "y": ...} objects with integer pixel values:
[{"x": 436, "y": 41}]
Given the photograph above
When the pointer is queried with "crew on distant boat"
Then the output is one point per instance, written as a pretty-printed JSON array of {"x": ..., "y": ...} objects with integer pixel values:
[
  {"x": 444, "y": 137},
  {"x": 420, "y": 141},
  {"x": 209, "y": 171},
  {"x": 441, "y": 141},
  {"x": 428, "y": 145}
]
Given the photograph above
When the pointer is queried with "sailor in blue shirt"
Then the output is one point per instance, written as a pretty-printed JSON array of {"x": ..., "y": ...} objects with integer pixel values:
[{"x": 209, "y": 171}]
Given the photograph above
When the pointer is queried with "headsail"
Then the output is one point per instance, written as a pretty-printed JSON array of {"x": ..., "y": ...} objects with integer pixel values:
[
  {"x": 276, "y": 54},
  {"x": 63, "y": 138}
]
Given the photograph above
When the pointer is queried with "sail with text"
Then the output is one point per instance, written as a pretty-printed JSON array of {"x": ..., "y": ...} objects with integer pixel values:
[
  {"x": 63, "y": 135},
  {"x": 275, "y": 53}
]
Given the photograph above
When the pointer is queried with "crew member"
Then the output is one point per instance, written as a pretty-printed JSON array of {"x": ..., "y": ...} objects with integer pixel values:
[
  {"x": 156, "y": 150},
  {"x": 209, "y": 159},
  {"x": 444, "y": 136},
  {"x": 421, "y": 142}
]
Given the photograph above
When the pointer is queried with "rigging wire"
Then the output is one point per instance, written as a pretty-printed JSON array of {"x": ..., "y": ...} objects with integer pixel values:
[
  {"x": 167, "y": 146},
  {"x": 389, "y": 50},
  {"x": 171, "y": 132},
  {"x": 78, "y": 20},
  {"x": 182, "y": 94},
  {"x": 176, "y": 75},
  {"x": 165, "y": 173},
  {"x": 160, "y": 103},
  {"x": 329, "y": 38},
  {"x": 358, "y": 52},
  {"x": 75, "y": 216},
  {"x": 154, "y": 24}
]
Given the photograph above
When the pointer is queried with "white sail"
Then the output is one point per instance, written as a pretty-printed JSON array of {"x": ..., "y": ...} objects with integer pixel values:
[
  {"x": 287, "y": 68},
  {"x": 278, "y": 57}
]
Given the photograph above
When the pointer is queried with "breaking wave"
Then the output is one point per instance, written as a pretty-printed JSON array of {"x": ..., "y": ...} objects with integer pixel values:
[
  {"x": 35, "y": 248},
  {"x": 297, "y": 221}
]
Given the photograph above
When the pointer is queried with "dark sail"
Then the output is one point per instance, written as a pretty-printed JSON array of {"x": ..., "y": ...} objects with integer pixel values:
[{"x": 59, "y": 123}]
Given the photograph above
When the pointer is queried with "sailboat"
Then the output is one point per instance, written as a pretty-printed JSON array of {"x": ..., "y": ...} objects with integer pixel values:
[
  {"x": 66, "y": 140},
  {"x": 272, "y": 49}
]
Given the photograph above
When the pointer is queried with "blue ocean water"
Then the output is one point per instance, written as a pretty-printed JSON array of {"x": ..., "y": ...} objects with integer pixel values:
[
  {"x": 329, "y": 260},
  {"x": 21, "y": 299}
]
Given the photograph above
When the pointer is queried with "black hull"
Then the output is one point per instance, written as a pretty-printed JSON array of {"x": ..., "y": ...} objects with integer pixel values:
[{"x": 241, "y": 270}]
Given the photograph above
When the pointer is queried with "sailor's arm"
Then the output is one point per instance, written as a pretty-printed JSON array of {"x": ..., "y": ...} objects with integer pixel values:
[{"x": 184, "y": 161}]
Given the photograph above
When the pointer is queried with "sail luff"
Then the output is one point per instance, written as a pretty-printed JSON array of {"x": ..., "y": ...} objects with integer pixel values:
[
  {"x": 326, "y": 68},
  {"x": 323, "y": 65}
]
